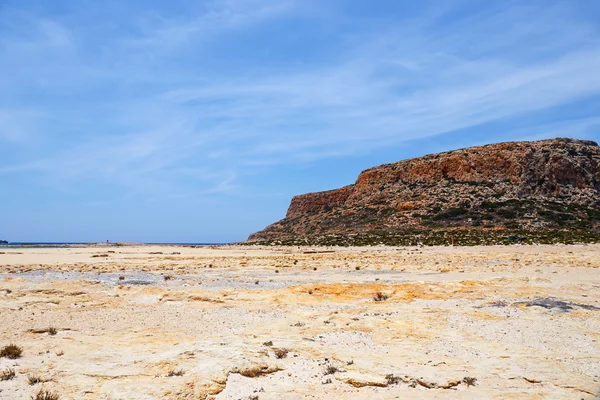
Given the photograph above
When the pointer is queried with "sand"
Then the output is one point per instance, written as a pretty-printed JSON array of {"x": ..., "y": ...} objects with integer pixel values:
[{"x": 168, "y": 322}]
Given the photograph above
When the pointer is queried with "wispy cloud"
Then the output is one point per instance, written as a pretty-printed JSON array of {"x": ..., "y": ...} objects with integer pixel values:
[{"x": 181, "y": 96}]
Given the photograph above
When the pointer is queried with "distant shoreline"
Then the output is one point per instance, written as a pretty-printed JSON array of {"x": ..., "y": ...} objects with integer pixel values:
[{"x": 99, "y": 244}]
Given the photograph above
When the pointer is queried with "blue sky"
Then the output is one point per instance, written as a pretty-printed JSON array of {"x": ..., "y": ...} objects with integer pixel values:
[{"x": 196, "y": 121}]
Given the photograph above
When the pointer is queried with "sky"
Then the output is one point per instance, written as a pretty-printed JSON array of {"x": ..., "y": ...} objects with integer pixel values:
[{"x": 197, "y": 121}]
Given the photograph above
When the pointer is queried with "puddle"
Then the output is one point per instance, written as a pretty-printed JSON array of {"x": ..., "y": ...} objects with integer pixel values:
[{"x": 110, "y": 279}]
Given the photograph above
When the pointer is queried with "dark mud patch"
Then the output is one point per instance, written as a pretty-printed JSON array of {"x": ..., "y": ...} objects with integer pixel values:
[
  {"x": 137, "y": 282},
  {"x": 549, "y": 303},
  {"x": 499, "y": 303}
]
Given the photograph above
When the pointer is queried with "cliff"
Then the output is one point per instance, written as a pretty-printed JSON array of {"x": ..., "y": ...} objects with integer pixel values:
[{"x": 542, "y": 186}]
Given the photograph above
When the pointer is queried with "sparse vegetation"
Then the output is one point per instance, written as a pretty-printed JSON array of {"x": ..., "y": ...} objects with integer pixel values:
[
  {"x": 392, "y": 379},
  {"x": 11, "y": 351},
  {"x": 175, "y": 372},
  {"x": 330, "y": 370},
  {"x": 33, "y": 379},
  {"x": 45, "y": 395},
  {"x": 486, "y": 235},
  {"x": 7, "y": 374},
  {"x": 451, "y": 213},
  {"x": 469, "y": 381},
  {"x": 52, "y": 331},
  {"x": 380, "y": 296},
  {"x": 281, "y": 353}
]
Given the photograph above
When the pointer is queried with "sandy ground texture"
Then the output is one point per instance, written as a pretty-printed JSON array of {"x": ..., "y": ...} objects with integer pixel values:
[{"x": 167, "y": 322}]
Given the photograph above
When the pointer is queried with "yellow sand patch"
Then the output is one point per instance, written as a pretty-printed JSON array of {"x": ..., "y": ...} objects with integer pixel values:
[
  {"x": 486, "y": 316},
  {"x": 405, "y": 292}
]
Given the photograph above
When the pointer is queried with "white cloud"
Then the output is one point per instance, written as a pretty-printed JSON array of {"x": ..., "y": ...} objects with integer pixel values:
[{"x": 168, "y": 115}]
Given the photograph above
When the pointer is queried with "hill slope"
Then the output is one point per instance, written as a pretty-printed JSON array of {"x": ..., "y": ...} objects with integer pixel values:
[{"x": 545, "y": 191}]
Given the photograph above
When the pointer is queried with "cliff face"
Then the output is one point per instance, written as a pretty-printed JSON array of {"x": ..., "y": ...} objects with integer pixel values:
[
  {"x": 553, "y": 184},
  {"x": 313, "y": 202}
]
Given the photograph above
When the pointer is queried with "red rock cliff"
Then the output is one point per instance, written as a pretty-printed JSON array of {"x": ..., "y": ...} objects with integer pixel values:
[
  {"x": 481, "y": 184},
  {"x": 312, "y": 202}
]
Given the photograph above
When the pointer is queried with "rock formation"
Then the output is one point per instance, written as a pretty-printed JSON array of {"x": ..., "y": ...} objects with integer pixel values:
[{"x": 542, "y": 186}]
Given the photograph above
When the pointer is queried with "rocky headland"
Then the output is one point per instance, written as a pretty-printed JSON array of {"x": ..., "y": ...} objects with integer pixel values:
[{"x": 546, "y": 191}]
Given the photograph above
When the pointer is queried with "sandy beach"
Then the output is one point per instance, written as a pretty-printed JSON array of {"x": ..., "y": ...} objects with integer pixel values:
[{"x": 243, "y": 322}]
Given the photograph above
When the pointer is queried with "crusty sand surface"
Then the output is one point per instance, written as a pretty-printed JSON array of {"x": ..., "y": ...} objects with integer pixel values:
[{"x": 516, "y": 322}]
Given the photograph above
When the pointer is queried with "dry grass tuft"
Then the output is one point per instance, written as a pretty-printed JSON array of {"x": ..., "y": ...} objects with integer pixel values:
[
  {"x": 392, "y": 379},
  {"x": 380, "y": 296},
  {"x": 330, "y": 370},
  {"x": 45, "y": 395},
  {"x": 11, "y": 351},
  {"x": 7, "y": 374},
  {"x": 469, "y": 381},
  {"x": 175, "y": 372},
  {"x": 281, "y": 353}
]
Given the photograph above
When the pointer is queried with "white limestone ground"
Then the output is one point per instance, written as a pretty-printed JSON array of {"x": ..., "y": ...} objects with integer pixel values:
[{"x": 296, "y": 323}]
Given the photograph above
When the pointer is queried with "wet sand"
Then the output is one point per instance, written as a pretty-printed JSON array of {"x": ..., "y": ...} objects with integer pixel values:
[{"x": 502, "y": 322}]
